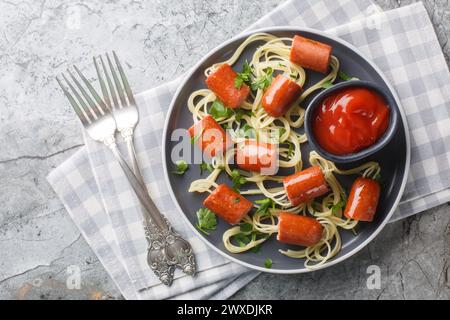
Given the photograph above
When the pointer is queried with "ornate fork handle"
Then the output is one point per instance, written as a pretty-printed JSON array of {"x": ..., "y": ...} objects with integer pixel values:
[
  {"x": 166, "y": 248},
  {"x": 160, "y": 234}
]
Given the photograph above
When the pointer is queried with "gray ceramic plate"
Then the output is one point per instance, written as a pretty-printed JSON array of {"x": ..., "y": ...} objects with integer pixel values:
[{"x": 393, "y": 158}]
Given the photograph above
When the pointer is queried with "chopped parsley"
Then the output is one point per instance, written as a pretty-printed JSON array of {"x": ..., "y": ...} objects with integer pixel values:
[
  {"x": 264, "y": 81},
  {"x": 218, "y": 110},
  {"x": 206, "y": 166},
  {"x": 256, "y": 248},
  {"x": 265, "y": 205},
  {"x": 237, "y": 179},
  {"x": 327, "y": 84},
  {"x": 291, "y": 149},
  {"x": 182, "y": 166},
  {"x": 195, "y": 138},
  {"x": 206, "y": 220},
  {"x": 245, "y": 227},
  {"x": 315, "y": 205},
  {"x": 243, "y": 77},
  {"x": 244, "y": 238},
  {"x": 246, "y": 131},
  {"x": 241, "y": 239},
  {"x": 336, "y": 207},
  {"x": 344, "y": 76},
  {"x": 377, "y": 177},
  {"x": 239, "y": 113}
]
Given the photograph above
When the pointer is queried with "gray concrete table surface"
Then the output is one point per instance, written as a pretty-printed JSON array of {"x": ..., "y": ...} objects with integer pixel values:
[{"x": 41, "y": 247}]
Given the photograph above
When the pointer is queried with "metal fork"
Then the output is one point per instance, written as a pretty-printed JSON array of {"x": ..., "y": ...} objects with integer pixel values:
[
  {"x": 125, "y": 112},
  {"x": 126, "y": 115},
  {"x": 167, "y": 249}
]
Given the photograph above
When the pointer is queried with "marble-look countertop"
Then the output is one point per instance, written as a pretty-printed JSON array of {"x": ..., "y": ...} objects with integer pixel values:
[{"x": 40, "y": 245}]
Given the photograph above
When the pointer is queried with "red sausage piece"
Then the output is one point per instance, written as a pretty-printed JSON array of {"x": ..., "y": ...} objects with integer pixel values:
[
  {"x": 228, "y": 204},
  {"x": 210, "y": 136},
  {"x": 298, "y": 230},
  {"x": 221, "y": 82},
  {"x": 310, "y": 54},
  {"x": 281, "y": 94},
  {"x": 363, "y": 200},
  {"x": 305, "y": 185},
  {"x": 252, "y": 155}
]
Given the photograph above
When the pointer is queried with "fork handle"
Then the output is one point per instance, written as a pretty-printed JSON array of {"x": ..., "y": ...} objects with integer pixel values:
[
  {"x": 141, "y": 191},
  {"x": 133, "y": 159},
  {"x": 159, "y": 232}
]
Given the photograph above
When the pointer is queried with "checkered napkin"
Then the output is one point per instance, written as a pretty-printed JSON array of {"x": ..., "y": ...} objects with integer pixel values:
[{"x": 99, "y": 199}]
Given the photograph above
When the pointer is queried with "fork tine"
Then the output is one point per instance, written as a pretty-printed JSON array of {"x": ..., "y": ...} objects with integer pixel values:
[
  {"x": 84, "y": 107},
  {"x": 110, "y": 85},
  {"x": 102, "y": 85},
  {"x": 124, "y": 79},
  {"x": 83, "y": 117},
  {"x": 85, "y": 95},
  {"x": 100, "y": 104},
  {"x": 116, "y": 82}
]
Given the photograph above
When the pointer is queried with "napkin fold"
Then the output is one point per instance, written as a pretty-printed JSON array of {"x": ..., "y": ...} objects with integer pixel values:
[{"x": 97, "y": 195}]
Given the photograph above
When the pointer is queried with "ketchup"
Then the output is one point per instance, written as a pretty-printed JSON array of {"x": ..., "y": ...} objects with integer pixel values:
[{"x": 350, "y": 120}]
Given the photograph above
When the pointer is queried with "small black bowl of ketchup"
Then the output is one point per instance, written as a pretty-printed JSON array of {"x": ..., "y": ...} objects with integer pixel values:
[{"x": 351, "y": 120}]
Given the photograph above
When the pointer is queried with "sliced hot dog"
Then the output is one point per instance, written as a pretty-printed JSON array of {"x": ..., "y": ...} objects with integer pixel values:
[
  {"x": 310, "y": 54},
  {"x": 228, "y": 204},
  {"x": 281, "y": 94},
  {"x": 305, "y": 185},
  {"x": 298, "y": 230},
  {"x": 363, "y": 199},
  {"x": 261, "y": 157},
  {"x": 210, "y": 136},
  {"x": 221, "y": 82}
]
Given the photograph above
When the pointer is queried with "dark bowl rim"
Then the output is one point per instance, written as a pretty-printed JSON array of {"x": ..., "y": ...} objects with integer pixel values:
[
  {"x": 241, "y": 37},
  {"x": 364, "y": 153}
]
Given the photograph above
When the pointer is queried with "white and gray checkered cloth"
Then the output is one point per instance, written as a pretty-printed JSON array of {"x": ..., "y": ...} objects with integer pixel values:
[{"x": 97, "y": 195}]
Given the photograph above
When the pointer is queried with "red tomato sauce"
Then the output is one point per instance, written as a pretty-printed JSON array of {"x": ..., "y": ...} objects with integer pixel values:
[{"x": 350, "y": 120}]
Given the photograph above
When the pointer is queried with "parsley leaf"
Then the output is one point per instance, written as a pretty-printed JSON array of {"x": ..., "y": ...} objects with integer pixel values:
[
  {"x": 237, "y": 179},
  {"x": 265, "y": 205},
  {"x": 256, "y": 248},
  {"x": 377, "y": 177},
  {"x": 195, "y": 138},
  {"x": 327, "y": 85},
  {"x": 218, "y": 110},
  {"x": 206, "y": 220},
  {"x": 245, "y": 227},
  {"x": 244, "y": 76},
  {"x": 238, "y": 82},
  {"x": 206, "y": 166},
  {"x": 264, "y": 81},
  {"x": 291, "y": 149},
  {"x": 268, "y": 263},
  {"x": 315, "y": 207},
  {"x": 344, "y": 76},
  {"x": 182, "y": 166},
  {"x": 241, "y": 112},
  {"x": 338, "y": 206},
  {"x": 246, "y": 131},
  {"x": 241, "y": 239}
]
